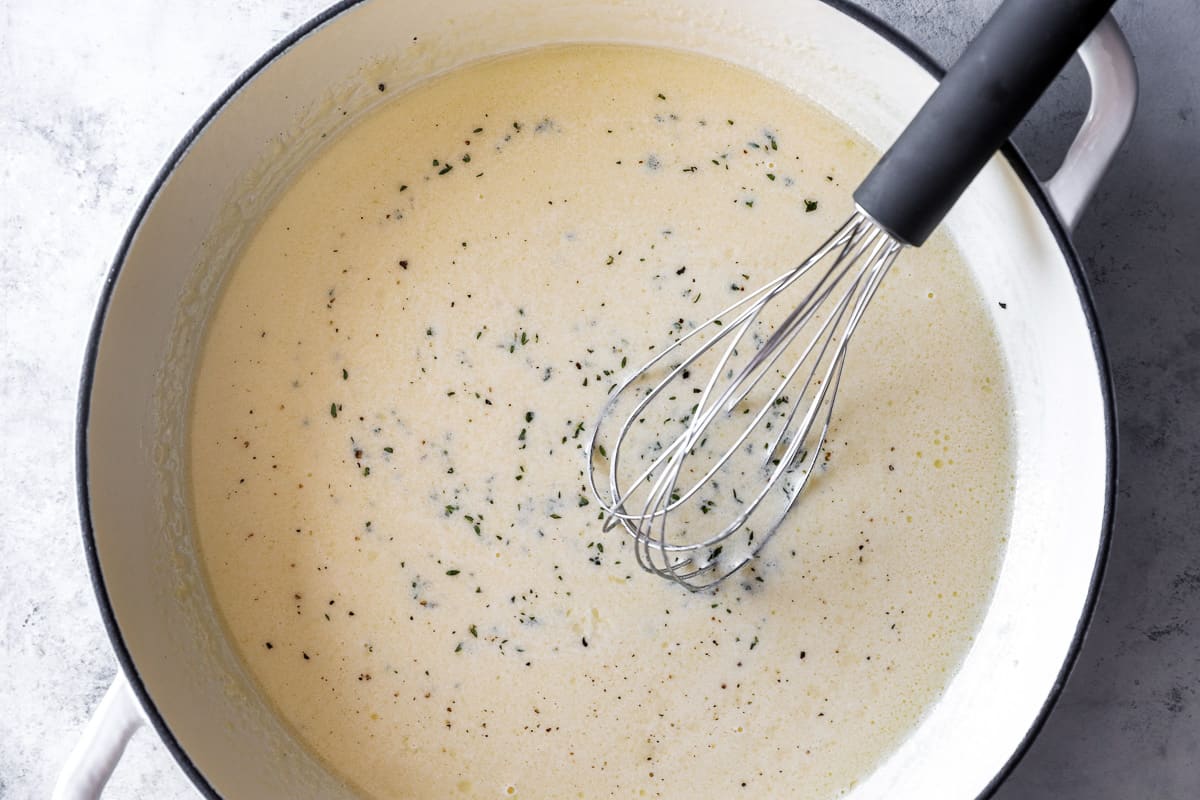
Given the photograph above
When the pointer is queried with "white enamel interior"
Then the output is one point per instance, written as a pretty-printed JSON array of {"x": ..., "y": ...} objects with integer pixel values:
[{"x": 202, "y": 213}]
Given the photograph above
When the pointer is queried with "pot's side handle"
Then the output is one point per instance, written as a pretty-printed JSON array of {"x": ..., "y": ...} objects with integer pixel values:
[
  {"x": 91, "y": 763},
  {"x": 1109, "y": 63}
]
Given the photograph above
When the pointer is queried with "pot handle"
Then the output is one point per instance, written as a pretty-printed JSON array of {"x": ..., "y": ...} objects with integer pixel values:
[
  {"x": 1109, "y": 63},
  {"x": 91, "y": 763}
]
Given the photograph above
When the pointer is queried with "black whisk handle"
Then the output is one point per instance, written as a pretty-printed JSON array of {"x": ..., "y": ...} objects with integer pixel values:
[{"x": 973, "y": 111}]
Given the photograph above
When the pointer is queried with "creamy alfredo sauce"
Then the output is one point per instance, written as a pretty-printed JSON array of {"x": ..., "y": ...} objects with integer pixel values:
[{"x": 386, "y": 447}]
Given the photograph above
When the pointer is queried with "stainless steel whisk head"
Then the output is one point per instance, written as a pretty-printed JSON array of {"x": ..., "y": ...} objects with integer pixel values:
[{"x": 756, "y": 423}]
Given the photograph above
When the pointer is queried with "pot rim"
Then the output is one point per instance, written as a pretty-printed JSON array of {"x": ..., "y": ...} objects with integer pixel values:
[{"x": 1010, "y": 152}]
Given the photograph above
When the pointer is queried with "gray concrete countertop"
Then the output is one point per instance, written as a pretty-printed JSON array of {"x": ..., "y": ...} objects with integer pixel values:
[{"x": 93, "y": 97}]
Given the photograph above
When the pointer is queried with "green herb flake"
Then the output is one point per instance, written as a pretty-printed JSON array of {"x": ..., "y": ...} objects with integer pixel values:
[
  {"x": 452, "y": 572},
  {"x": 474, "y": 631},
  {"x": 810, "y": 206},
  {"x": 333, "y": 410}
]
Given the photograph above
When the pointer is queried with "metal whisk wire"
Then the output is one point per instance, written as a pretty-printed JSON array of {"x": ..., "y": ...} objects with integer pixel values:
[{"x": 862, "y": 253}]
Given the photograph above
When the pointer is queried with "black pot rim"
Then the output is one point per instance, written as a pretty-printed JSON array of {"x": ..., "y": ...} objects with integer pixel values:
[{"x": 878, "y": 26}]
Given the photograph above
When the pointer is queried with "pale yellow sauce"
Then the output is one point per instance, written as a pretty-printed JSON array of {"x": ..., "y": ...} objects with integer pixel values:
[{"x": 386, "y": 447}]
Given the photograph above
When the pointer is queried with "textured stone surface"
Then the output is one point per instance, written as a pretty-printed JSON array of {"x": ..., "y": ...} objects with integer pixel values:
[{"x": 93, "y": 98}]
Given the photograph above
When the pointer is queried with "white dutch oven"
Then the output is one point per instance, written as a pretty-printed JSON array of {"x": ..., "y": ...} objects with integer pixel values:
[{"x": 178, "y": 671}]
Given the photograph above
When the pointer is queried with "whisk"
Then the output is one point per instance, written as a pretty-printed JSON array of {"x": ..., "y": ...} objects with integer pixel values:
[{"x": 758, "y": 421}]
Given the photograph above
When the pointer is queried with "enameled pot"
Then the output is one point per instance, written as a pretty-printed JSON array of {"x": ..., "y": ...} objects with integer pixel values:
[{"x": 180, "y": 674}]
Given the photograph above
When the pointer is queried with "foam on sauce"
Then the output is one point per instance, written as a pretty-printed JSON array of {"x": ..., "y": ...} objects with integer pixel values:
[{"x": 387, "y": 439}]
